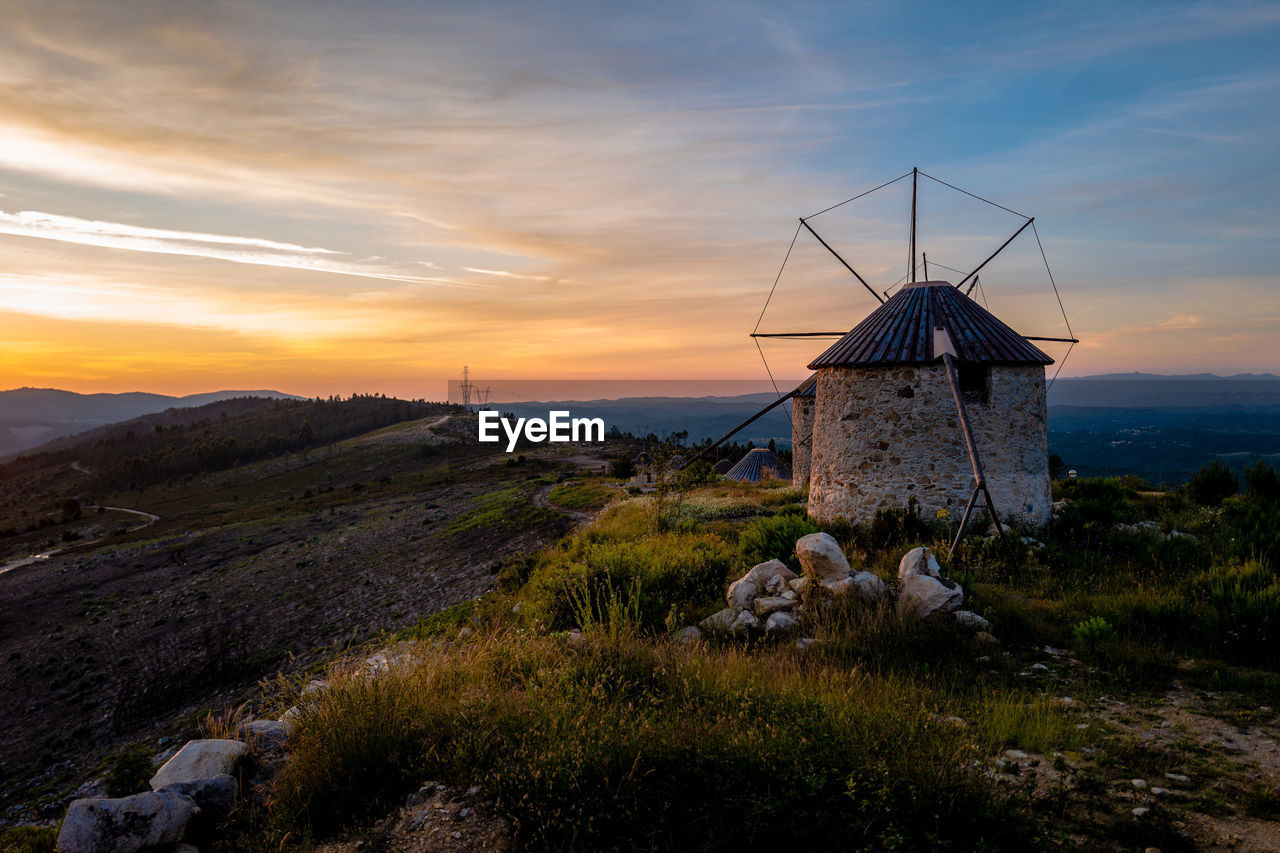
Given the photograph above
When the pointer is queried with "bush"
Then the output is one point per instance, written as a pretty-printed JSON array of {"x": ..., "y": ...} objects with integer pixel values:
[
  {"x": 623, "y": 467},
  {"x": 1212, "y": 484},
  {"x": 1094, "y": 632},
  {"x": 773, "y": 539},
  {"x": 648, "y": 576},
  {"x": 1262, "y": 483}
]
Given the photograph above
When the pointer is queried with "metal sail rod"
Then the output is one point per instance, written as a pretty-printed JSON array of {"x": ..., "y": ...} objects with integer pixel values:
[
  {"x": 800, "y": 334},
  {"x": 993, "y": 254},
  {"x": 979, "y": 479},
  {"x": 924, "y": 256},
  {"x": 731, "y": 433},
  {"x": 915, "y": 182},
  {"x": 1058, "y": 340},
  {"x": 842, "y": 260}
]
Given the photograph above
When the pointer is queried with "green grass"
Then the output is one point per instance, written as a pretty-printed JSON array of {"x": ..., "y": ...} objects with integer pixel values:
[
  {"x": 588, "y": 493},
  {"x": 29, "y": 839},
  {"x": 619, "y": 741},
  {"x": 508, "y": 508}
]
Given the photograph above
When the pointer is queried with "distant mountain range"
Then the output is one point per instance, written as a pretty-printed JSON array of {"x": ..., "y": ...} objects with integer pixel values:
[{"x": 30, "y": 417}]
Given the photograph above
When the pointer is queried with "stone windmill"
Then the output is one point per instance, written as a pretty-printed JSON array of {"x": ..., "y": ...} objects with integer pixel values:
[{"x": 930, "y": 397}]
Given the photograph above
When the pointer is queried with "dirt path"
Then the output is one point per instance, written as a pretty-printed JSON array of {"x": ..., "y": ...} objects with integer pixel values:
[
  {"x": 151, "y": 518},
  {"x": 541, "y": 499}
]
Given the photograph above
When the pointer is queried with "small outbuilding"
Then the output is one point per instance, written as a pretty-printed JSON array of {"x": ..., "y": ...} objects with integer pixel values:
[
  {"x": 722, "y": 467},
  {"x": 759, "y": 464}
]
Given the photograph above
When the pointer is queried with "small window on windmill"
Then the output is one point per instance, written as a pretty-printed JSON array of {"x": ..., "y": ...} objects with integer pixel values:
[{"x": 975, "y": 382}]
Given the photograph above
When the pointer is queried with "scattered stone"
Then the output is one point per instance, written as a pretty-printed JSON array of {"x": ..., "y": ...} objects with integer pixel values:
[
  {"x": 313, "y": 688},
  {"x": 269, "y": 735},
  {"x": 984, "y": 639},
  {"x": 93, "y": 789},
  {"x": 720, "y": 622},
  {"x": 821, "y": 556},
  {"x": 1157, "y": 790},
  {"x": 688, "y": 636},
  {"x": 1033, "y": 543},
  {"x": 1141, "y": 811},
  {"x": 870, "y": 586},
  {"x": 200, "y": 759},
  {"x": 465, "y": 632},
  {"x": 789, "y": 595},
  {"x": 742, "y": 592},
  {"x": 972, "y": 621},
  {"x": 215, "y": 798},
  {"x": 1015, "y": 754},
  {"x": 1059, "y": 506},
  {"x": 780, "y": 622},
  {"x": 575, "y": 638},
  {"x": 799, "y": 585},
  {"x": 1178, "y": 778},
  {"x": 746, "y": 621},
  {"x": 921, "y": 590},
  {"x": 764, "y": 573},
  {"x": 805, "y": 642},
  {"x": 1038, "y": 667},
  {"x": 1141, "y": 528},
  {"x": 127, "y": 824},
  {"x": 1140, "y": 784},
  {"x": 769, "y": 604},
  {"x": 775, "y": 585},
  {"x": 838, "y": 587}
]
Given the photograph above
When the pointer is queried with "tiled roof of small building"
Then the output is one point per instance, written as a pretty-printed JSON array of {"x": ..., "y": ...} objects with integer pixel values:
[{"x": 901, "y": 331}]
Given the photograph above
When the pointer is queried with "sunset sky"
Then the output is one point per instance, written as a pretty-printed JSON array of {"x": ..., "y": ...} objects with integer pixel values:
[{"x": 338, "y": 197}]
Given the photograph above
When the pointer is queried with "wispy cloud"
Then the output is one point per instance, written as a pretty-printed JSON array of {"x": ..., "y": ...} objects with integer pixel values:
[
  {"x": 222, "y": 247},
  {"x": 506, "y": 274}
]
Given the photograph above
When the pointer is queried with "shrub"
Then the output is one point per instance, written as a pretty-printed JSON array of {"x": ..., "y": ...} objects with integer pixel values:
[
  {"x": 1094, "y": 632},
  {"x": 649, "y": 575},
  {"x": 1262, "y": 483},
  {"x": 623, "y": 467},
  {"x": 773, "y": 539},
  {"x": 1212, "y": 484}
]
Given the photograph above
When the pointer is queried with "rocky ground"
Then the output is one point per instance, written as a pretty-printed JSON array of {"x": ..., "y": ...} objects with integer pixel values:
[{"x": 261, "y": 569}]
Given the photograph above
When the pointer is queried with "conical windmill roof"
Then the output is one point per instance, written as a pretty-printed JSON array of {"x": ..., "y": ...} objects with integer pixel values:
[
  {"x": 722, "y": 467},
  {"x": 753, "y": 466},
  {"x": 901, "y": 331}
]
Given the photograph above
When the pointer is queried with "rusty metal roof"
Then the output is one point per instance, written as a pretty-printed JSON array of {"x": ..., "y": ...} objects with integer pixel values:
[{"x": 901, "y": 332}]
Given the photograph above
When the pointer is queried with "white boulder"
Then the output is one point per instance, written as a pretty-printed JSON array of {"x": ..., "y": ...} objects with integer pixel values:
[
  {"x": 765, "y": 605},
  {"x": 972, "y": 621},
  {"x": 720, "y": 622},
  {"x": 922, "y": 591},
  {"x": 688, "y": 636},
  {"x": 125, "y": 825},
  {"x": 780, "y": 622},
  {"x": 200, "y": 759},
  {"x": 821, "y": 556},
  {"x": 745, "y": 622},
  {"x": 742, "y": 592},
  {"x": 870, "y": 586}
]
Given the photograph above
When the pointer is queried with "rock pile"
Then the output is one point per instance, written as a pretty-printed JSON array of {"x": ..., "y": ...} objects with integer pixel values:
[
  {"x": 769, "y": 597},
  {"x": 190, "y": 796}
]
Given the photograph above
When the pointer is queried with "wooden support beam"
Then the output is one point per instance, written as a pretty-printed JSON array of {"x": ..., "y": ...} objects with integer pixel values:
[{"x": 979, "y": 478}]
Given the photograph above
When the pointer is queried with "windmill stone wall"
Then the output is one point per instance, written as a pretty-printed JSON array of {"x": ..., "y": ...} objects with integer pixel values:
[
  {"x": 801, "y": 439},
  {"x": 885, "y": 433}
]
